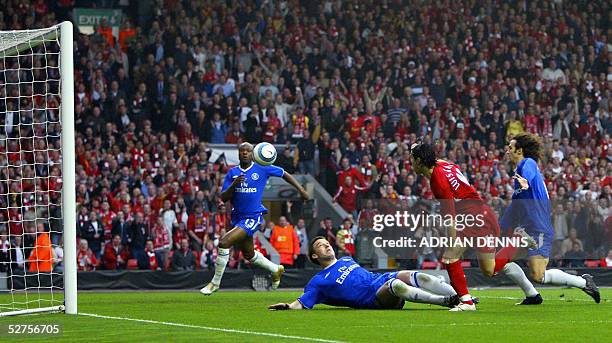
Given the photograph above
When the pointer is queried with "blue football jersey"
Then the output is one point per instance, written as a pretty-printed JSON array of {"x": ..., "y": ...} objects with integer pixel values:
[
  {"x": 344, "y": 283},
  {"x": 530, "y": 208},
  {"x": 247, "y": 195}
]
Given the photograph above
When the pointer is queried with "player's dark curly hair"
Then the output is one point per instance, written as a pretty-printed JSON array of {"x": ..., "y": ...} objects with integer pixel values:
[
  {"x": 311, "y": 249},
  {"x": 425, "y": 153},
  {"x": 531, "y": 145}
]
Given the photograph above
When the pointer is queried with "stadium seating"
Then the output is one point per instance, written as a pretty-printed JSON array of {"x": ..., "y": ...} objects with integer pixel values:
[{"x": 148, "y": 106}]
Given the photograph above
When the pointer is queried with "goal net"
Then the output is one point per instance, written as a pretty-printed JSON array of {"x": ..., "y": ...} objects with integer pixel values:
[{"x": 37, "y": 175}]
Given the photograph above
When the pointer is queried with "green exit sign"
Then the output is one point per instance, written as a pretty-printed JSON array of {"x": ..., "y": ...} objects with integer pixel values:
[{"x": 93, "y": 17}]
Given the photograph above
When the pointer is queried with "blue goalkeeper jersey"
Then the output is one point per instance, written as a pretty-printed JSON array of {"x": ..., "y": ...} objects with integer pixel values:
[
  {"x": 246, "y": 200},
  {"x": 530, "y": 208},
  {"x": 344, "y": 283}
]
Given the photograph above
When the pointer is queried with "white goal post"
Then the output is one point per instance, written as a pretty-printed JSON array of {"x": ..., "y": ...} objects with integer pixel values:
[{"x": 37, "y": 172}]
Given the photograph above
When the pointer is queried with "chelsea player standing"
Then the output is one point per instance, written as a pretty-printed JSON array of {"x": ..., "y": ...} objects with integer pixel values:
[
  {"x": 531, "y": 210},
  {"x": 244, "y": 187},
  {"x": 343, "y": 282}
]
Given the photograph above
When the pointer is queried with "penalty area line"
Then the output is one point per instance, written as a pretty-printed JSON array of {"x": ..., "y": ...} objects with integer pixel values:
[{"x": 210, "y": 328}]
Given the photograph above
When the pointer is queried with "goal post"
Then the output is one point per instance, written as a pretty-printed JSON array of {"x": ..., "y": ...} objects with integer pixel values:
[
  {"x": 68, "y": 166},
  {"x": 37, "y": 172}
]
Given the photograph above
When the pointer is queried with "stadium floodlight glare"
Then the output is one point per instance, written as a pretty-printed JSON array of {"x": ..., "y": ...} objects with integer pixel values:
[{"x": 37, "y": 171}]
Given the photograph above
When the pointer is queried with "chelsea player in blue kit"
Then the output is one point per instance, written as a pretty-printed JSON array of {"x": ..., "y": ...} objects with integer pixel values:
[
  {"x": 531, "y": 210},
  {"x": 343, "y": 282},
  {"x": 244, "y": 187}
]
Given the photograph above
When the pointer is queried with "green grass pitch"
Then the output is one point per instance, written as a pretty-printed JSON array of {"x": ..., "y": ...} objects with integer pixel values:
[{"x": 567, "y": 315}]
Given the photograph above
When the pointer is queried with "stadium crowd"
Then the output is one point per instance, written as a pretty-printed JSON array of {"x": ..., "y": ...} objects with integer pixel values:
[{"x": 346, "y": 85}]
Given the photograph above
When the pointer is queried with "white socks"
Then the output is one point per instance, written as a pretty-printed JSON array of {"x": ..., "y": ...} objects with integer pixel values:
[
  {"x": 258, "y": 260},
  {"x": 561, "y": 278},
  {"x": 261, "y": 261},
  {"x": 220, "y": 264},
  {"x": 516, "y": 274},
  {"x": 432, "y": 284},
  {"x": 401, "y": 290}
]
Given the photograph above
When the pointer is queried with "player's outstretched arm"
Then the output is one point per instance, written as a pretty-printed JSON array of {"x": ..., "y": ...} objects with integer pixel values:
[
  {"x": 293, "y": 182},
  {"x": 296, "y": 305}
]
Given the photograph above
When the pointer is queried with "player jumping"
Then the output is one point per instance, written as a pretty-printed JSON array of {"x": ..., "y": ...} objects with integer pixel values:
[
  {"x": 343, "y": 282},
  {"x": 530, "y": 209},
  {"x": 457, "y": 196},
  {"x": 244, "y": 186}
]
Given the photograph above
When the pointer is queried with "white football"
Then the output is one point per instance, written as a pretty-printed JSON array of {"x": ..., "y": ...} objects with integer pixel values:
[{"x": 264, "y": 154}]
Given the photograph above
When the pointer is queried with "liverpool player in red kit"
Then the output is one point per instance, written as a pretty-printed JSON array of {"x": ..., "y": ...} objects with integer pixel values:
[{"x": 458, "y": 197}]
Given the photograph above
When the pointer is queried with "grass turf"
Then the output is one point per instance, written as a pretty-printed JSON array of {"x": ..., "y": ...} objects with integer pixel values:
[{"x": 566, "y": 315}]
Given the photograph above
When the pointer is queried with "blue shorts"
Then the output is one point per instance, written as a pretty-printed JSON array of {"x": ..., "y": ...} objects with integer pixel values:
[
  {"x": 544, "y": 240},
  {"x": 249, "y": 223},
  {"x": 377, "y": 282}
]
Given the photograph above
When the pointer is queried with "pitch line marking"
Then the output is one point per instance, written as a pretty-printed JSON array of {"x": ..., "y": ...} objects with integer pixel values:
[{"x": 210, "y": 328}]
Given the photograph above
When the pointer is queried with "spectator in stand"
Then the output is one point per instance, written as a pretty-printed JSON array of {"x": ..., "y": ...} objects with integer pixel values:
[
  {"x": 199, "y": 225},
  {"x": 426, "y": 253},
  {"x": 606, "y": 262},
  {"x": 568, "y": 243},
  {"x": 208, "y": 255},
  {"x": 138, "y": 235},
  {"x": 152, "y": 262},
  {"x": 445, "y": 83},
  {"x": 357, "y": 178},
  {"x": 5, "y": 246},
  {"x": 179, "y": 234},
  {"x": 120, "y": 227},
  {"x": 305, "y": 150},
  {"x": 302, "y": 234},
  {"x": 169, "y": 217},
  {"x": 86, "y": 259},
  {"x": 41, "y": 258},
  {"x": 115, "y": 255},
  {"x": 183, "y": 258},
  {"x": 161, "y": 242},
  {"x": 285, "y": 240},
  {"x": 326, "y": 230},
  {"x": 267, "y": 231},
  {"x": 287, "y": 160},
  {"x": 93, "y": 231},
  {"x": 345, "y": 239},
  {"x": 575, "y": 257},
  {"x": 347, "y": 194}
]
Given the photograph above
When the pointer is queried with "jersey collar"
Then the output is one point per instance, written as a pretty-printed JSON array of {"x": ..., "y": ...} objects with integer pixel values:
[{"x": 245, "y": 170}]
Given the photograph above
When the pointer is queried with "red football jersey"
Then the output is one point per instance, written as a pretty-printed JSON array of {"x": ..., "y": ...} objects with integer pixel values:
[{"x": 448, "y": 182}]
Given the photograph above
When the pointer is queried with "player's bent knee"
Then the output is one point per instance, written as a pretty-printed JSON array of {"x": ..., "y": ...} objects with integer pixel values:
[
  {"x": 398, "y": 287},
  {"x": 224, "y": 242},
  {"x": 248, "y": 256},
  {"x": 488, "y": 272},
  {"x": 423, "y": 277},
  {"x": 405, "y": 276},
  {"x": 537, "y": 276}
]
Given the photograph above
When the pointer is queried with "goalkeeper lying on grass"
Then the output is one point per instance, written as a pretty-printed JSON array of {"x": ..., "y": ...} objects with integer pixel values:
[{"x": 343, "y": 282}]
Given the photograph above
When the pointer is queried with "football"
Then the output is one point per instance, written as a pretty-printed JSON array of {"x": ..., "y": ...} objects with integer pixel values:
[{"x": 264, "y": 154}]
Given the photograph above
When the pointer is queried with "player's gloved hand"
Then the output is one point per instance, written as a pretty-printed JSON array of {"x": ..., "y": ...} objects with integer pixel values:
[{"x": 279, "y": 307}]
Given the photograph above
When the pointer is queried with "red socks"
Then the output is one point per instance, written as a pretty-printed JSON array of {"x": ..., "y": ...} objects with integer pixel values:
[
  {"x": 504, "y": 256},
  {"x": 458, "y": 280}
]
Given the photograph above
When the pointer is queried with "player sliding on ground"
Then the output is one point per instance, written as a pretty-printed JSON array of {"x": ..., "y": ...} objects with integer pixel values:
[
  {"x": 530, "y": 208},
  {"x": 458, "y": 198},
  {"x": 343, "y": 282},
  {"x": 244, "y": 186}
]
